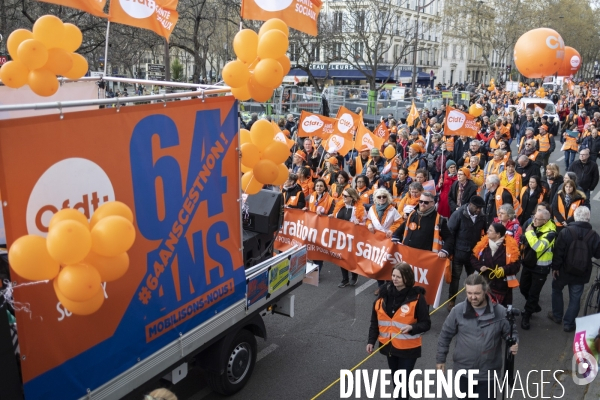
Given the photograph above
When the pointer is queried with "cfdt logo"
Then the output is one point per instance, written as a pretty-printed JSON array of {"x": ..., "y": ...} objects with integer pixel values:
[
  {"x": 273, "y": 5},
  {"x": 71, "y": 183},
  {"x": 455, "y": 120},
  {"x": 138, "y": 9},
  {"x": 345, "y": 123},
  {"x": 312, "y": 123}
]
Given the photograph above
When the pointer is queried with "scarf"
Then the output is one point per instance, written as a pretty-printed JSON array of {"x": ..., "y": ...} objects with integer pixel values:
[
  {"x": 494, "y": 245},
  {"x": 381, "y": 209},
  {"x": 567, "y": 200},
  {"x": 426, "y": 213},
  {"x": 461, "y": 188}
]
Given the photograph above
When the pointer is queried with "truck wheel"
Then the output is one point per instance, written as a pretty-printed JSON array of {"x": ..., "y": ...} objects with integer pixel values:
[{"x": 240, "y": 360}]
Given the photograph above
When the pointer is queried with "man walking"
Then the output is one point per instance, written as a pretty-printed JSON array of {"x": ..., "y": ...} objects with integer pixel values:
[
  {"x": 587, "y": 173},
  {"x": 572, "y": 266},
  {"x": 479, "y": 325}
]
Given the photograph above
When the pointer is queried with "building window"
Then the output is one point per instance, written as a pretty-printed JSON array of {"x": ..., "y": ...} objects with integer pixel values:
[
  {"x": 336, "y": 51},
  {"x": 461, "y": 52},
  {"x": 360, "y": 21},
  {"x": 454, "y": 52},
  {"x": 315, "y": 53},
  {"x": 337, "y": 21},
  {"x": 358, "y": 50},
  {"x": 446, "y": 51}
]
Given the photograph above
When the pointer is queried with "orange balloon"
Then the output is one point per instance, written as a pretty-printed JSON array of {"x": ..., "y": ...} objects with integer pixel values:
[
  {"x": 277, "y": 152},
  {"x": 69, "y": 241},
  {"x": 285, "y": 64},
  {"x": 539, "y": 53},
  {"x": 235, "y": 74},
  {"x": 249, "y": 184},
  {"x": 79, "y": 69},
  {"x": 112, "y": 236},
  {"x": 15, "y": 39},
  {"x": 59, "y": 61},
  {"x": 476, "y": 110},
  {"x": 273, "y": 23},
  {"x": 242, "y": 93},
  {"x": 245, "y": 43},
  {"x": 268, "y": 73},
  {"x": 389, "y": 152},
  {"x": 571, "y": 63},
  {"x": 262, "y": 134},
  {"x": 283, "y": 174},
  {"x": 259, "y": 93},
  {"x": 42, "y": 82},
  {"x": 245, "y": 169},
  {"x": 14, "y": 74},
  {"x": 49, "y": 30},
  {"x": 250, "y": 154},
  {"x": 245, "y": 136},
  {"x": 272, "y": 44},
  {"x": 29, "y": 258},
  {"x": 266, "y": 171},
  {"x": 109, "y": 209},
  {"x": 68, "y": 214},
  {"x": 32, "y": 53},
  {"x": 80, "y": 307},
  {"x": 72, "y": 39},
  {"x": 79, "y": 282},
  {"x": 110, "y": 268}
]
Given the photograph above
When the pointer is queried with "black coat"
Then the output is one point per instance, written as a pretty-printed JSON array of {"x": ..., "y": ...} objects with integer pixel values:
[
  {"x": 554, "y": 187},
  {"x": 528, "y": 204},
  {"x": 587, "y": 174},
  {"x": 490, "y": 204},
  {"x": 593, "y": 144},
  {"x": 469, "y": 191},
  {"x": 528, "y": 171},
  {"x": 422, "y": 238},
  {"x": 392, "y": 300},
  {"x": 460, "y": 148},
  {"x": 466, "y": 232},
  {"x": 561, "y": 249},
  {"x": 295, "y": 190}
]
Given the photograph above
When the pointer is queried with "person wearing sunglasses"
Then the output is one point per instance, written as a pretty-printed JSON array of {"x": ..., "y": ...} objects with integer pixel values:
[
  {"x": 426, "y": 229},
  {"x": 349, "y": 209},
  {"x": 383, "y": 217}
]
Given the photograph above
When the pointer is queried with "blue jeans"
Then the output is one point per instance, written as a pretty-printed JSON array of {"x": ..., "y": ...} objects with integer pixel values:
[
  {"x": 575, "y": 293},
  {"x": 569, "y": 157}
]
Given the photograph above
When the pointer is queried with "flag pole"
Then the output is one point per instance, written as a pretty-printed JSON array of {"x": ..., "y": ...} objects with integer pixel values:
[{"x": 106, "y": 47}]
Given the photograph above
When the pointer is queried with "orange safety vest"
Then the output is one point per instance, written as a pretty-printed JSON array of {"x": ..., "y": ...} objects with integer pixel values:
[
  {"x": 359, "y": 164},
  {"x": 292, "y": 201},
  {"x": 540, "y": 197},
  {"x": 512, "y": 255},
  {"x": 359, "y": 210},
  {"x": 389, "y": 328},
  {"x": 395, "y": 194},
  {"x": 307, "y": 187},
  {"x": 412, "y": 168},
  {"x": 516, "y": 204},
  {"x": 327, "y": 178},
  {"x": 364, "y": 195},
  {"x": 393, "y": 169},
  {"x": 533, "y": 155},
  {"x": 407, "y": 200},
  {"x": 449, "y": 140},
  {"x": 333, "y": 190},
  {"x": 571, "y": 143},
  {"x": 493, "y": 167},
  {"x": 494, "y": 144},
  {"x": 569, "y": 212},
  {"x": 438, "y": 243},
  {"x": 544, "y": 141},
  {"x": 326, "y": 201},
  {"x": 522, "y": 143}
]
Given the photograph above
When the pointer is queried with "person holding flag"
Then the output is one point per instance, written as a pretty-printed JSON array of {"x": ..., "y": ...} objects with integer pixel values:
[{"x": 414, "y": 161}]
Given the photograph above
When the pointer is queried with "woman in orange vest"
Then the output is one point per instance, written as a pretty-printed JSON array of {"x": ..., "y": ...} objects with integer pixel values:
[
  {"x": 565, "y": 203},
  {"x": 510, "y": 179},
  {"x": 496, "y": 257},
  {"x": 293, "y": 197},
  {"x": 570, "y": 138},
  {"x": 322, "y": 203},
  {"x": 362, "y": 187},
  {"x": 530, "y": 196},
  {"x": 410, "y": 200},
  {"x": 476, "y": 172},
  {"x": 372, "y": 174},
  {"x": 305, "y": 181},
  {"x": 342, "y": 182},
  {"x": 400, "y": 315},
  {"x": 329, "y": 175}
]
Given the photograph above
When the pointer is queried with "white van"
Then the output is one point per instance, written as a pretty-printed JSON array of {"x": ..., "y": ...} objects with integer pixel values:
[{"x": 545, "y": 107}]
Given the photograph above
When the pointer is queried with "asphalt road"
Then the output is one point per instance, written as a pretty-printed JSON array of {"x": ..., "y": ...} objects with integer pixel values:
[{"x": 303, "y": 355}]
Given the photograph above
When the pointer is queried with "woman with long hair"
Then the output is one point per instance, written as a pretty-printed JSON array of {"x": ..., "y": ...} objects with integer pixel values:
[
  {"x": 372, "y": 174},
  {"x": 342, "y": 182},
  {"x": 322, "y": 203},
  {"x": 565, "y": 203},
  {"x": 400, "y": 314},
  {"x": 530, "y": 196},
  {"x": 364, "y": 192},
  {"x": 305, "y": 181}
]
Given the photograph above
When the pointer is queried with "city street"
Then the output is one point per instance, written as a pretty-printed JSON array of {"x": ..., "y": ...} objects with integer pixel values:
[{"x": 304, "y": 355}]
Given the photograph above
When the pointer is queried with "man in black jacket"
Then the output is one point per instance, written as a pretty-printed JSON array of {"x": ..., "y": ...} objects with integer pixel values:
[
  {"x": 527, "y": 168},
  {"x": 462, "y": 190},
  {"x": 592, "y": 142},
  {"x": 494, "y": 198},
  {"x": 467, "y": 225},
  {"x": 583, "y": 230},
  {"x": 293, "y": 196},
  {"x": 461, "y": 146},
  {"x": 475, "y": 149},
  {"x": 587, "y": 174}
]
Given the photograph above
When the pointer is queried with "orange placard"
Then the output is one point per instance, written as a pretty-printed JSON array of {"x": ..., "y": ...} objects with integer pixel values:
[
  {"x": 94, "y": 7},
  {"x": 365, "y": 138},
  {"x": 382, "y": 131},
  {"x": 356, "y": 249},
  {"x": 348, "y": 121},
  {"x": 159, "y": 16},
  {"x": 316, "y": 125},
  {"x": 301, "y": 15},
  {"x": 459, "y": 123}
]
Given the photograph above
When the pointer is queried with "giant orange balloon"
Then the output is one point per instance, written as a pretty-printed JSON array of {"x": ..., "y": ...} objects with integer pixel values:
[
  {"x": 112, "y": 236},
  {"x": 249, "y": 184},
  {"x": 539, "y": 53},
  {"x": 14, "y": 74},
  {"x": 49, "y": 30},
  {"x": 15, "y": 39},
  {"x": 245, "y": 43},
  {"x": 79, "y": 282},
  {"x": 272, "y": 44},
  {"x": 235, "y": 74},
  {"x": 68, "y": 242},
  {"x": 268, "y": 73},
  {"x": 283, "y": 174},
  {"x": 266, "y": 171},
  {"x": 110, "y": 268},
  {"x": 32, "y": 53},
  {"x": 571, "y": 63},
  {"x": 80, "y": 307},
  {"x": 29, "y": 258},
  {"x": 59, "y": 61},
  {"x": 42, "y": 82},
  {"x": 109, "y": 209},
  {"x": 68, "y": 214},
  {"x": 72, "y": 39},
  {"x": 262, "y": 134},
  {"x": 250, "y": 154},
  {"x": 277, "y": 152},
  {"x": 79, "y": 68}
]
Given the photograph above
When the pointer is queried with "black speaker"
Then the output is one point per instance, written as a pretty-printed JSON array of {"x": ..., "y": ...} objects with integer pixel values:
[
  {"x": 265, "y": 212},
  {"x": 257, "y": 247}
]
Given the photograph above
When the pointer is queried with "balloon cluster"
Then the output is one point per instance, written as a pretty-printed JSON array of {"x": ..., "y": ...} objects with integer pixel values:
[
  {"x": 78, "y": 255},
  {"x": 541, "y": 92},
  {"x": 38, "y": 56},
  {"x": 476, "y": 110},
  {"x": 261, "y": 61},
  {"x": 262, "y": 157}
]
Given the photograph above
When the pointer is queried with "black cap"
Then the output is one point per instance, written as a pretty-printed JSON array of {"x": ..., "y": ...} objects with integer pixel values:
[{"x": 477, "y": 201}]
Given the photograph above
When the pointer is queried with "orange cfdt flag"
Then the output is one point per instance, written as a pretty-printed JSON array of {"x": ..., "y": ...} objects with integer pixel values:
[
  {"x": 301, "y": 15},
  {"x": 459, "y": 123},
  {"x": 364, "y": 137},
  {"x": 382, "y": 131},
  {"x": 412, "y": 115},
  {"x": 89, "y": 6},
  {"x": 159, "y": 16}
]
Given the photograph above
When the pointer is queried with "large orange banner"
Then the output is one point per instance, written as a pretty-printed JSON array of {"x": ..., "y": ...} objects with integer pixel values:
[
  {"x": 159, "y": 16},
  {"x": 94, "y": 7},
  {"x": 356, "y": 249},
  {"x": 459, "y": 123},
  {"x": 301, "y": 15}
]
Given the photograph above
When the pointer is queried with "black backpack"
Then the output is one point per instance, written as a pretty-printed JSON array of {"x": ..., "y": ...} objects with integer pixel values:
[{"x": 578, "y": 254}]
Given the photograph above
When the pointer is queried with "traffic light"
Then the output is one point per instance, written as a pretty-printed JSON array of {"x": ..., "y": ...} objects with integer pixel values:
[{"x": 101, "y": 64}]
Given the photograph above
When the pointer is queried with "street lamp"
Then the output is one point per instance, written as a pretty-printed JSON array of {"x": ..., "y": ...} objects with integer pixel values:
[{"x": 414, "y": 68}]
